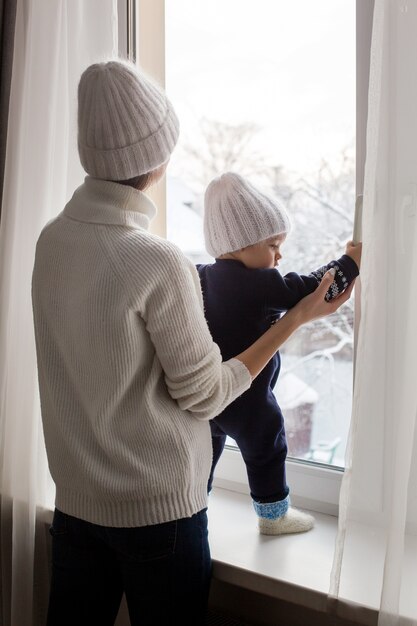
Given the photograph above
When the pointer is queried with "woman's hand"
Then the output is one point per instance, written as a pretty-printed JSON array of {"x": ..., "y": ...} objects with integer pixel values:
[{"x": 314, "y": 306}]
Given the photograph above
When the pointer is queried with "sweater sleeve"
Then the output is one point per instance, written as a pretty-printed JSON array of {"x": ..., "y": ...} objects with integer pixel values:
[
  {"x": 285, "y": 291},
  {"x": 195, "y": 375}
]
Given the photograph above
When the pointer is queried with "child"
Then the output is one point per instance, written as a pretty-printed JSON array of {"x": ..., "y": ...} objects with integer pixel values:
[{"x": 243, "y": 295}]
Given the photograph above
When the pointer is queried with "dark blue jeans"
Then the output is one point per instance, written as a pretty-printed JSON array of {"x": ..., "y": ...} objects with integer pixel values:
[{"x": 164, "y": 570}]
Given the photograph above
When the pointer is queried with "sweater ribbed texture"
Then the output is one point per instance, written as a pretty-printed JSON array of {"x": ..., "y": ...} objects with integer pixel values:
[
  {"x": 128, "y": 373},
  {"x": 126, "y": 124},
  {"x": 237, "y": 214}
]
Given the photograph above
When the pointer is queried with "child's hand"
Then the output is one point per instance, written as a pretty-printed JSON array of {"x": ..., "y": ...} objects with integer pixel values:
[{"x": 354, "y": 251}]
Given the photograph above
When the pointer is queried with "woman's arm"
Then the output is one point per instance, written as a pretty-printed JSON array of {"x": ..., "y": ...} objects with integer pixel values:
[
  {"x": 172, "y": 310},
  {"x": 309, "y": 308}
]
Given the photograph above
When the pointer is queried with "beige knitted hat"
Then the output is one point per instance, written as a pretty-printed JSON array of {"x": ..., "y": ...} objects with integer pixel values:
[
  {"x": 236, "y": 215},
  {"x": 126, "y": 124}
]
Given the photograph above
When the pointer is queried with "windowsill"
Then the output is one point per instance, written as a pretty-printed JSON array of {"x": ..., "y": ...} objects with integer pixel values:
[
  {"x": 314, "y": 486},
  {"x": 296, "y": 568},
  {"x": 293, "y": 568}
]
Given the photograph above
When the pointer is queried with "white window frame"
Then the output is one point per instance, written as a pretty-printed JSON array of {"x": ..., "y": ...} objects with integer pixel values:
[{"x": 142, "y": 38}]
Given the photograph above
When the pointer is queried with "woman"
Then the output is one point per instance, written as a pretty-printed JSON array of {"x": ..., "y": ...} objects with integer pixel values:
[{"x": 128, "y": 373}]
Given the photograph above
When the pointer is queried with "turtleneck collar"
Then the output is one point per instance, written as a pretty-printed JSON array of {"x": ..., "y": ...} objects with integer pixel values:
[{"x": 104, "y": 202}]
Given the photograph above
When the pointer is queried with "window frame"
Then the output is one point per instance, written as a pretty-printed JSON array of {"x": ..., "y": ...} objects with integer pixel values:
[{"x": 314, "y": 486}]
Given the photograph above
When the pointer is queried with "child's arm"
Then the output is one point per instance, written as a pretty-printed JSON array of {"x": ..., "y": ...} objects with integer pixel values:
[
  {"x": 285, "y": 291},
  {"x": 347, "y": 269},
  {"x": 308, "y": 309}
]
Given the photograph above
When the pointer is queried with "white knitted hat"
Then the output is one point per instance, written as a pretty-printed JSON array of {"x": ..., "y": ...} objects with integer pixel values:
[
  {"x": 236, "y": 215},
  {"x": 126, "y": 124}
]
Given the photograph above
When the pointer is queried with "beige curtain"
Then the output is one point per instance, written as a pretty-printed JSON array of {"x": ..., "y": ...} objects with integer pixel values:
[
  {"x": 376, "y": 553},
  {"x": 7, "y": 27},
  {"x": 54, "y": 42}
]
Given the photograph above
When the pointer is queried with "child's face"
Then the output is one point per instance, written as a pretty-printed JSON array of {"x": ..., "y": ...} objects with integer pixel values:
[{"x": 263, "y": 255}]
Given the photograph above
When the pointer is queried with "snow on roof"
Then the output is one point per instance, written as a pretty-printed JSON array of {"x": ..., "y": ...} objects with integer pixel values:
[{"x": 291, "y": 391}]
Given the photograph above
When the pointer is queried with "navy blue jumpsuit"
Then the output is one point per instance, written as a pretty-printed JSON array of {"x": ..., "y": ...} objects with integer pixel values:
[{"x": 240, "y": 305}]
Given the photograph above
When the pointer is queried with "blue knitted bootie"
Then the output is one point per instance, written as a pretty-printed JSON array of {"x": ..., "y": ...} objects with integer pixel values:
[{"x": 279, "y": 518}]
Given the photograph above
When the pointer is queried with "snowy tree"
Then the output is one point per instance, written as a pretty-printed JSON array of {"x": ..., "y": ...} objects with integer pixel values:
[
  {"x": 218, "y": 148},
  {"x": 321, "y": 208}
]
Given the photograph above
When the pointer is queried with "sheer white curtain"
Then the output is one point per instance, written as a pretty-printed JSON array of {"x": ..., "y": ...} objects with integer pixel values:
[
  {"x": 54, "y": 42},
  {"x": 376, "y": 553}
]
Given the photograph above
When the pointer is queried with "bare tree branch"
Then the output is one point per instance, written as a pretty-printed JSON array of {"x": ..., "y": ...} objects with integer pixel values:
[{"x": 311, "y": 192}]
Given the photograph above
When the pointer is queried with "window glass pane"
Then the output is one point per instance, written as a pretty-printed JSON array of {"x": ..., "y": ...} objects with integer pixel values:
[{"x": 267, "y": 89}]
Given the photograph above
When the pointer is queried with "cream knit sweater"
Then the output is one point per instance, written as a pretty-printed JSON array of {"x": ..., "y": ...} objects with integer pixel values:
[{"x": 128, "y": 372}]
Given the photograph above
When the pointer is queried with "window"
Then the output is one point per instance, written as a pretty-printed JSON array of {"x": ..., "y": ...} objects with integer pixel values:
[{"x": 268, "y": 89}]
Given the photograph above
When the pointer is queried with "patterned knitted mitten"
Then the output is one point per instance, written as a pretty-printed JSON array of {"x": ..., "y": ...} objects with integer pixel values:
[{"x": 278, "y": 518}]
